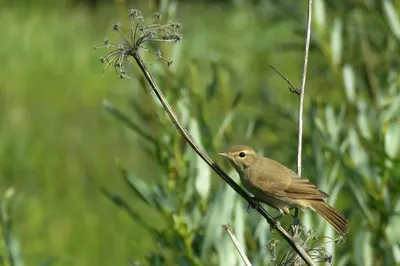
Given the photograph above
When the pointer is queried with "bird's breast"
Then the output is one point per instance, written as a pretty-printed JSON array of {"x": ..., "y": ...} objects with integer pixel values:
[{"x": 249, "y": 186}]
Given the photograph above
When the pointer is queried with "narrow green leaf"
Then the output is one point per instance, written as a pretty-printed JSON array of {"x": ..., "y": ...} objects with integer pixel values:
[
  {"x": 14, "y": 248},
  {"x": 219, "y": 213},
  {"x": 333, "y": 194},
  {"x": 237, "y": 99},
  {"x": 330, "y": 120},
  {"x": 306, "y": 219},
  {"x": 213, "y": 228},
  {"x": 205, "y": 129},
  {"x": 121, "y": 203},
  {"x": 183, "y": 108},
  {"x": 317, "y": 152},
  {"x": 262, "y": 233},
  {"x": 392, "y": 139},
  {"x": 343, "y": 260},
  {"x": 360, "y": 198},
  {"x": 362, "y": 248},
  {"x": 250, "y": 128},
  {"x": 320, "y": 15},
  {"x": 203, "y": 171},
  {"x": 156, "y": 259},
  {"x": 396, "y": 253},
  {"x": 329, "y": 233},
  {"x": 127, "y": 121},
  {"x": 239, "y": 226},
  {"x": 11, "y": 241},
  {"x": 392, "y": 17},
  {"x": 213, "y": 86},
  {"x": 349, "y": 81},
  {"x": 224, "y": 125},
  {"x": 336, "y": 41},
  {"x": 392, "y": 232},
  {"x": 392, "y": 111},
  {"x": 140, "y": 188},
  {"x": 363, "y": 121},
  {"x": 357, "y": 152}
]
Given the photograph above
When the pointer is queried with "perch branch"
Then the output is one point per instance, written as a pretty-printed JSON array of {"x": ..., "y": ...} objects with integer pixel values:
[
  {"x": 228, "y": 229},
  {"x": 191, "y": 141}
]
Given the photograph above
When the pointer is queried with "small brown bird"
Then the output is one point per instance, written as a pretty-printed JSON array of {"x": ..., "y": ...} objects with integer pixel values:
[{"x": 279, "y": 187}]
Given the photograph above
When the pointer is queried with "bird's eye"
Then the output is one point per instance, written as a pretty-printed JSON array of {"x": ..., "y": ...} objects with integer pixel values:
[{"x": 242, "y": 154}]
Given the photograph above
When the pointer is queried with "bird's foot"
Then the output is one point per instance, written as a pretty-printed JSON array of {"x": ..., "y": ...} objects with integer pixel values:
[
  {"x": 294, "y": 229},
  {"x": 296, "y": 222}
]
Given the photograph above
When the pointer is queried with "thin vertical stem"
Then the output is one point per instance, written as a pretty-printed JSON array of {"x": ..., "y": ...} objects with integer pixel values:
[{"x": 302, "y": 88}]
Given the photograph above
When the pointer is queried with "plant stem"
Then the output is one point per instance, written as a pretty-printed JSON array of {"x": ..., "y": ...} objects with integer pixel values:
[{"x": 303, "y": 87}]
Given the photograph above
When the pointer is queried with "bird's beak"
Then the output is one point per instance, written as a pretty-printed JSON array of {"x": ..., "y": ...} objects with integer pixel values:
[{"x": 224, "y": 154}]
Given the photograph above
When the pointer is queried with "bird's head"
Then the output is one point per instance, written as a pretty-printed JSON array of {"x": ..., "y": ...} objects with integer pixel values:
[{"x": 241, "y": 157}]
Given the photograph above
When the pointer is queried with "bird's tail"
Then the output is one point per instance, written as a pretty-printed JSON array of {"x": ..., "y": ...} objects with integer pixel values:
[{"x": 332, "y": 216}]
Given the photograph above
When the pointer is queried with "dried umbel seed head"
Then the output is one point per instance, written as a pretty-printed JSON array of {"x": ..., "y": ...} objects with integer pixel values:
[
  {"x": 141, "y": 34},
  {"x": 315, "y": 247},
  {"x": 133, "y": 13},
  {"x": 116, "y": 26}
]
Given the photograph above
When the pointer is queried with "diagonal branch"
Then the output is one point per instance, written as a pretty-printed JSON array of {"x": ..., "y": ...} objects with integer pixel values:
[{"x": 191, "y": 141}]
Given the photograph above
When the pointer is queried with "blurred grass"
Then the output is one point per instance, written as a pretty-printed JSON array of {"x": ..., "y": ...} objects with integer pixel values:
[{"x": 58, "y": 146}]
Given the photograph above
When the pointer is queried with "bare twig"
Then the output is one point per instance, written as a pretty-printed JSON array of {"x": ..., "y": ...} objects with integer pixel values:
[
  {"x": 228, "y": 229},
  {"x": 270, "y": 219},
  {"x": 292, "y": 88}
]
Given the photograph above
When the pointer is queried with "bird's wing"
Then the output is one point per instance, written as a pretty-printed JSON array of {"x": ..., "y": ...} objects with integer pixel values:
[
  {"x": 302, "y": 188},
  {"x": 280, "y": 181},
  {"x": 274, "y": 180}
]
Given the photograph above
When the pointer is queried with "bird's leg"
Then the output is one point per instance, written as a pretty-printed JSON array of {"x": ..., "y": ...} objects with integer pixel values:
[{"x": 296, "y": 222}]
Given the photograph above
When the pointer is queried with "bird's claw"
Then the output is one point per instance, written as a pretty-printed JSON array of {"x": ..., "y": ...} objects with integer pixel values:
[
  {"x": 293, "y": 229},
  {"x": 296, "y": 222}
]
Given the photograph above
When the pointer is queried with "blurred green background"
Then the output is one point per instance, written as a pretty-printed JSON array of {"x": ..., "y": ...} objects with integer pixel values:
[{"x": 58, "y": 146}]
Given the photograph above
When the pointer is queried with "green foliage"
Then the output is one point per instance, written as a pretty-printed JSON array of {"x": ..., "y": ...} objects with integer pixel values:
[
  {"x": 57, "y": 149},
  {"x": 347, "y": 139},
  {"x": 11, "y": 243},
  {"x": 364, "y": 135}
]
